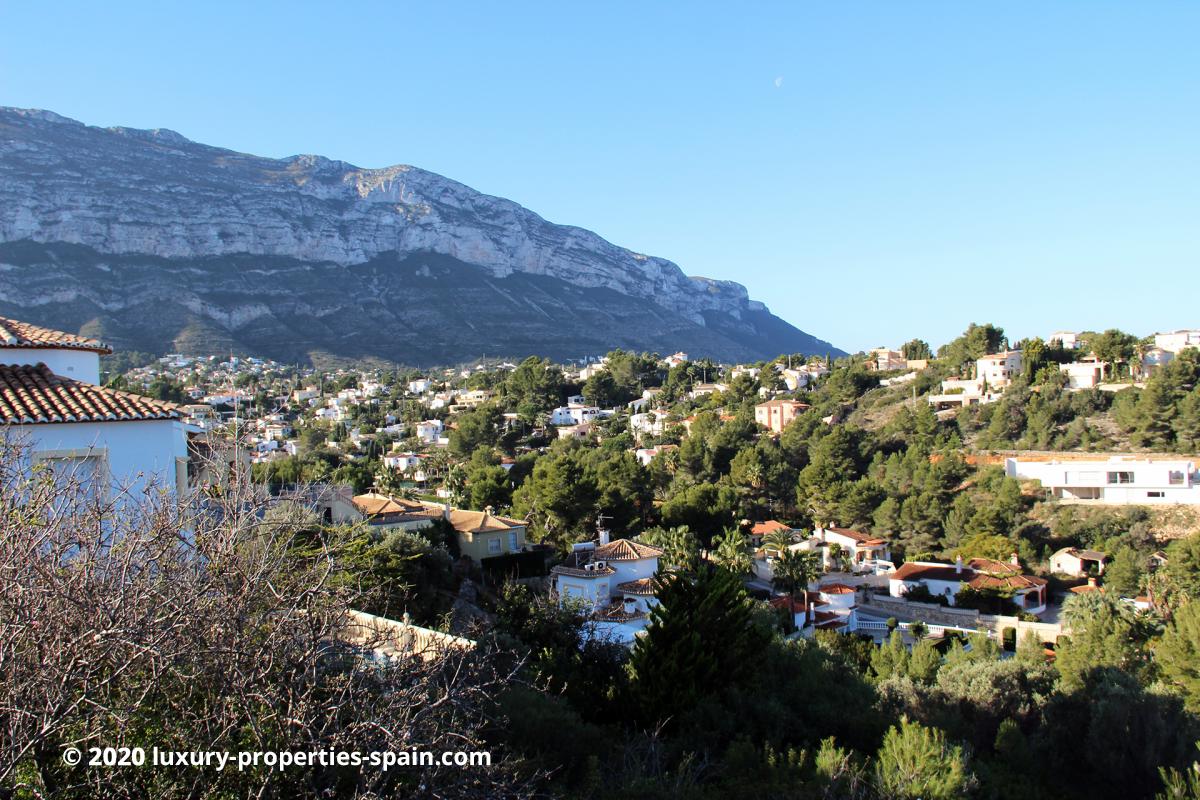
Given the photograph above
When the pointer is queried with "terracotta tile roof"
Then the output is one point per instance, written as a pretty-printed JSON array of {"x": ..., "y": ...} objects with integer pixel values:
[
  {"x": 914, "y": 571},
  {"x": 617, "y": 613},
  {"x": 640, "y": 586},
  {"x": 1014, "y": 581},
  {"x": 1087, "y": 555},
  {"x": 770, "y": 526},
  {"x": 625, "y": 550},
  {"x": 858, "y": 536},
  {"x": 794, "y": 605},
  {"x": 14, "y": 333},
  {"x": 829, "y": 619},
  {"x": 580, "y": 572},
  {"x": 836, "y": 588},
  {"x": 481, "y": 521},
  {"x": 619, "y": 550},
  {"x": 33, "y": 394},
  {"x": 373, "y": 504}
]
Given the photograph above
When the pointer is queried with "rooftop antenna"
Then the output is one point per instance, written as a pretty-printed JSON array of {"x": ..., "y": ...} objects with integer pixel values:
[{"x": 601, "y": 531}]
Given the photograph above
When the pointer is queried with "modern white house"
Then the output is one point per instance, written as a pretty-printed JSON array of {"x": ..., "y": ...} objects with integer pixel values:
[
  {"x": 1177, "y": 341},
  {"x": 1083, "y": 374},
  {"x": 993, "y": 374},
  {"x": 1069, "y": 340},
  {"x": 50, "y": 402},
  {"x": 1115, "y": 481},
  {"x": 614, "y": 581},
  {"x": 574, "y": 414}
]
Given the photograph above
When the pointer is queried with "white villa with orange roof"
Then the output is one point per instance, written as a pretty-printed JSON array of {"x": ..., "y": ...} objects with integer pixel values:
[
  {"x": 51, "y": 402},
  {"x": 1030, "y": 593},
  {"x": 859, "y": 548},
  {"x": 614, "y": 580}
]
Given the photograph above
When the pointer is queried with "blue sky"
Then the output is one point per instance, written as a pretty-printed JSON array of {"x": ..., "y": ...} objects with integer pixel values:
[{"x": 873, "y": 171}]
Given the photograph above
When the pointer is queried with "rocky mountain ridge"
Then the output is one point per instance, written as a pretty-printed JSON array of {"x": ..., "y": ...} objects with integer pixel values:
[{"x": 93, "y": 221}]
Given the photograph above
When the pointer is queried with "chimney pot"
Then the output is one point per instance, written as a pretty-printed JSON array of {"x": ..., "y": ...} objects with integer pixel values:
[{"x": 958, "y": 565}]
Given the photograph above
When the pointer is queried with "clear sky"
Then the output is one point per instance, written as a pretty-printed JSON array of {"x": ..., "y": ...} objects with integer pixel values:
[{"x": 873, "y": 171}]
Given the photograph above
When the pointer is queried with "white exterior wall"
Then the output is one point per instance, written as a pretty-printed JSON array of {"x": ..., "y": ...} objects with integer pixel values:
[
  {"x": 1082, "y": 375},
  {"x": 1088, "y": 480},
  {"x": 897, "y": 588},
  {"x": 1175, "y": 341},
  {"x": 998, "y": 371},
  {"x": 134, "y": 451},
  {"x": 80, "y": 365},
  {"x": 595, "y": 591}
]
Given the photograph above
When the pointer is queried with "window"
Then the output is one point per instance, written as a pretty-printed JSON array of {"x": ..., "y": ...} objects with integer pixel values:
[
  {"x": 85, "y": 470},
  {"x": 494, "y": 545},
  {"x": 1120, "y": 477},
  {"x": 512, "y": 542},
  {"x": 1156, "y": 494},
  {"x": 1175, "y": 477}
]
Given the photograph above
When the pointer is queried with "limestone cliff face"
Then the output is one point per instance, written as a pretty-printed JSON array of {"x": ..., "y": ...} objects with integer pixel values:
[{"x": 154, "y": 196}]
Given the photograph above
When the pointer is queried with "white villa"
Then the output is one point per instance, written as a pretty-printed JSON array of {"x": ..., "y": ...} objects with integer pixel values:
[
  {"x": 574, "y": 414},
  {"x": 430, "y": 430},
  {"x": 993, "y": 374},
  {"x": 51, "y": 402},
  {"x": 615, "y": 581},
  {"x": 858, "y": 548},
  {"x": 1069, "y": 340},
  {"x": 1115, "y": 481},
  {"x": 1083, "y": 374},
  {"x": 1077, "y": 562},
  {"x": 833, "y": 606},
  {"x": 947, "y": 580},
  {"x": 1177, "y": 341}
]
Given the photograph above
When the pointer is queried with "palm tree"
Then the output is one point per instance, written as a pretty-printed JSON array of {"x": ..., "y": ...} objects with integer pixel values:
[
  {"x": 777, "y": 541},
  {"x": 730, "y": 552},
  {"x": 794, "y": 569}
]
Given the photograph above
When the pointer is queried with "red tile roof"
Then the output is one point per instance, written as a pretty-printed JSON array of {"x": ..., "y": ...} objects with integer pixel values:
[
  {"x": 770, "y": 526},
  {"x": 913, "y": 571},
  {"x": 625, "y": 550},
  {"x": 14, "y": 333},
  {"x": 857, "y": 536},
  {"x": 31, "y": 395},
  {"x": 643, "y": 586},
  {"x": 836, "y": 588}
]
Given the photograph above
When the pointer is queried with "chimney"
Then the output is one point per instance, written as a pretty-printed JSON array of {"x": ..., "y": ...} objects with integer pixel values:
[
  {"x": 603, "y": 536},
  {"x": 1012, "y": 559},
  {"x": 958, "y": 565},
  {"x": 1093, "y": 582},
  {"x": 487, "y": 510},
  {"x": 446, "y": 510}
]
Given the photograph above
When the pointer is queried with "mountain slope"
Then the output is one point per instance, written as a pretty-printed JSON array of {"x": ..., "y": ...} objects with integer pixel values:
[{"x": 159, "y": 243}]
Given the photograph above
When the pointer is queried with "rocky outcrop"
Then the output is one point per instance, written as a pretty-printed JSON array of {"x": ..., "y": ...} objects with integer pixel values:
[{"x": 231, "y": 241}]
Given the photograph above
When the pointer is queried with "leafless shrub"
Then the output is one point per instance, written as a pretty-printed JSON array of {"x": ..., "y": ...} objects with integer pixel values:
[{"x": 129, "y": 619}]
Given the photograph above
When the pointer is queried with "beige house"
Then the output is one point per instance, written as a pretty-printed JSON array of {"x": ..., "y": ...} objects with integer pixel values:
[
  {"x": 775, "y": 415},
  {"x": 483, "y": 534}
]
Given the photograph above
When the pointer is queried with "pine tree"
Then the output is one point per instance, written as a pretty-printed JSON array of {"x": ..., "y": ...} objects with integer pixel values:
[
  {"x": 917, "y": 762},
  {"x": 701, "y": 640}
]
